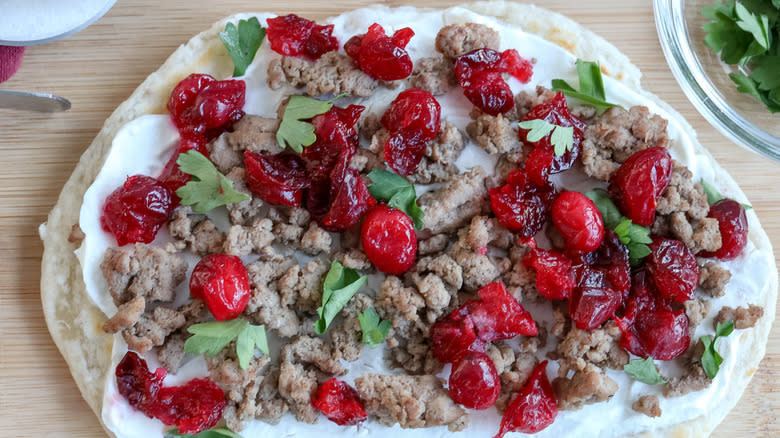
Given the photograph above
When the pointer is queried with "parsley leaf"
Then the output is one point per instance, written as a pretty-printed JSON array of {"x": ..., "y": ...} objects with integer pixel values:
[
  {"x": 338, "y": 288},
  {"x": 374, "y": 331},
  {"x": 591, "y": 86},
  {"x": 635, "y": 237},
  {"x": 746, "y": 33},
  {"x": 562, "y": 137},
  {"x": 711, "y": 359},
  {"x": 644, "y": 370},
  {"x": 208, "y": 188},
  {"x": 293, "y": 130},
  {"x": 242, "y": 42},
  {"x": 217, "y": 432},
  {"x": 211, "y": 337},
  {"x": 713, "y": 195},
  {"x": 757, "y": 25},
  {"x": 398, "y": 192}
]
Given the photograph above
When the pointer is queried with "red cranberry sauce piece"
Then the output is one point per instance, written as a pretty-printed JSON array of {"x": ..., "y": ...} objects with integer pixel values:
[
  {"x": 673, "y": 268},
  {"x": 639, "y": 182},
  {"x": 578, "y": 220},
  {"x": 202, "y": 107},
  {"x": 192, "y": 407},
  {"x": 292, "y": 35},
  {"x": 172, "y": 176},
  {"x": 137, "y": 210},
  {"x": 479, "y": 74},
  {"x": 413, "y": 119},
  {"x": 349, "y": 199},
  {"x": 277, "y": 179},
  {"x": 380, "y": 56},
  {"x": 650, "y": 327},
  {"x": 533, "y": 408},
  {"x": 339, "y": 402},
  {"x": 733, "y": 225},
  {"x": 498, "y": 315},
  {"x": 222, "y": 282},
  {"x": 520, "y": 205},
  {"x": 389, "y": 240},
  {"x": 452, "y": 339},
  {"x": 554, "y": 272},
  {"x": 136, "y": 383},
  {"x": 542, "y": 160},
  {"x": 602, "y": 280},
  {"x": 474, "y": 381}
]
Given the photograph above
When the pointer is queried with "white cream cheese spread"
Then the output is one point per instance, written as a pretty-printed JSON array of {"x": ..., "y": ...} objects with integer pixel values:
[{"x": 144, "y": 145}]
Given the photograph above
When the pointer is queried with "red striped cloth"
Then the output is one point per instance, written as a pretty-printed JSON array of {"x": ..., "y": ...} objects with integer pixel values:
[{"x": 10, "y": 61}]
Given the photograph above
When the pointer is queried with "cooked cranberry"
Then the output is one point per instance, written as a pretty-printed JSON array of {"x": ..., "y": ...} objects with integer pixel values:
[
  {"x": 292, "y": 35},
  {"x": 612, "y": 258},
  {"x": 412, "y": 120},
  {"x": 733, "y": 225},
  {"x": 192, "y": 407},
  {"x": 497, "y": 314},
  {"x": 638, "y": 183},
  {"x": 521, "y": 206},
  {"x": 578, "y": 220},
  {"x": 479, "y": 74},
  {"x": 278, "y": 179},
  {"x": 554, "y": 273},
  {"x": 135, "y": 211},
  {"x": 673, "y": 268},
  {"x": 542, "y": 160},
  {"x": 594, "y": 300},
  {"x": 350, "y": 200},
  {"x": 533, "y": 408},
  {"x": 650, "y": 327},
  {"x": 451, "y": 339},
  {"x": 380, "y": 56},
  {"x": 136, "y": 383},
  {"x": 337, "y": 197},
  {"x": 474, "y": 382},
  {"x": 602, "y": 280},
  {"x": 389, "y": 240},
  {"x": 339, "y": 402},
  {"x": 221, "y": 281},
  {"x": 202, "y": 107}
]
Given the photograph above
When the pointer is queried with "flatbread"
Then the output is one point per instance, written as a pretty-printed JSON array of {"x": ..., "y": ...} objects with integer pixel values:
[{"x": 75, "y": 322}]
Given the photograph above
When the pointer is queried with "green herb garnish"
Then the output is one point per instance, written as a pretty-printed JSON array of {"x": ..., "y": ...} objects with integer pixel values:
[
  {"x": 635, "y": 237},
  {"x": 208, "y": 188},
  {"x": 397, "y": 192},
  {"x": 591, "y": 86},
  {"x": 338, "y": 288},
  {"x": 562, "y": 138},
  {"x": 374, "y": 331},
  {"x": 294, "y": 131},
  {"x": 211, "y": 337},
  {"x": 711, "y": 359},
  {"x": 644, "y": 370},
  {"x": 217, "y": 432},
  {"x": 746, "y": 34},
  {"x": 242, "y": 42}
]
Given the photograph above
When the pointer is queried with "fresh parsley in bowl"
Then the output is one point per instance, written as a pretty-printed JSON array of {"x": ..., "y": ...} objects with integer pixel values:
[{"x": 726, "y": 56}]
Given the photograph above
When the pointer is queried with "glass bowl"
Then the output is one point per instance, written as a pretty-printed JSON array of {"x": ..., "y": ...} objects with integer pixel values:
[{"x": 704, "y": 79}]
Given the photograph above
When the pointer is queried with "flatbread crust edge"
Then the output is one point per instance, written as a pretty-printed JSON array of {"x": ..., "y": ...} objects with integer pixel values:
[{"x": 75, "y": 323}]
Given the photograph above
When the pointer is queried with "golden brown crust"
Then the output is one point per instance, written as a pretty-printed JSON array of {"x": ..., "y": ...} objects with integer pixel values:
[{"x": 75, "y": 322}]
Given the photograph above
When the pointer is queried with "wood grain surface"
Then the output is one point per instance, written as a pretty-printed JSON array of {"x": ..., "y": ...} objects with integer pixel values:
[{"x": 99, "y": 67}]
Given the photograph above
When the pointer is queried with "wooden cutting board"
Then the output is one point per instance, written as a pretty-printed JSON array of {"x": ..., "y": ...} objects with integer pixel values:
[{"x": 99, "y": 67}]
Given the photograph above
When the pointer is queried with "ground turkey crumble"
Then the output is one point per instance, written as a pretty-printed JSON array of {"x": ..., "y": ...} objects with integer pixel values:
[{"x": 461, "y": 248}]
